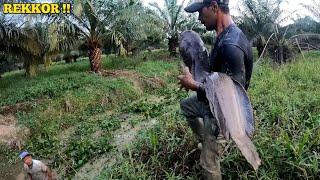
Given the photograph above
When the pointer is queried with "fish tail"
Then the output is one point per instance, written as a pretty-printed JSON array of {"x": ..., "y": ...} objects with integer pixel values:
[{"x": 249, "y": 151}]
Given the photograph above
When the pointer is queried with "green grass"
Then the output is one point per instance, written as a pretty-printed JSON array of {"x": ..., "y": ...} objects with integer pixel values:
[
  {"x": 285, "y": 100},
  {"x": 287, "y": 113},
  {"x": 92, "y": 97},
  {"x": 61, "y": 78},
  {"x": 287, "y": 109}
]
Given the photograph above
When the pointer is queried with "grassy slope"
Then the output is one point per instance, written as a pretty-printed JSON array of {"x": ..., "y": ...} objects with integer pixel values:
[
  {"x": 287, "y": 112},
  {"x": 62, "y": 136},
  {"x": 285, "y": 99}
]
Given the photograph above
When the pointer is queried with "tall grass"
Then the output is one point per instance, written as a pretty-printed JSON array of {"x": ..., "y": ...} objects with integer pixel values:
[
  {"x": 287, "y": 113},
  {"x": 72, "y": 138},
  {"x": 285, "y": 100}
]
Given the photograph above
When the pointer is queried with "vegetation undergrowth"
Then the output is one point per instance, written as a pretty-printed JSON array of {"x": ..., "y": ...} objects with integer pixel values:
[
  {"x": 286, "y": 106},
  {"x": 72, "y": 137}
]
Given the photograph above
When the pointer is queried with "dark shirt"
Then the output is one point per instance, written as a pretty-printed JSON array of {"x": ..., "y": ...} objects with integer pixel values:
[{"x": 231, "y": 54}]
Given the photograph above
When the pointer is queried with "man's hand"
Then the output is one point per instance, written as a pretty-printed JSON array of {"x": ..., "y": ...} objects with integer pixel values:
[{"x": 186, "y": 81}]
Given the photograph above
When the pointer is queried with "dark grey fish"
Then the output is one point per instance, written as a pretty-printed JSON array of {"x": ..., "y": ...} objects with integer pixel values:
[
  {"x": 192, "y": 47},
  {"x": 228, "y": 100},
  {"x": 231, "y": 106}
]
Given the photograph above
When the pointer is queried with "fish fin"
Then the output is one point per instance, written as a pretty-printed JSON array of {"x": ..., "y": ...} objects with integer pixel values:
[
  {"x": 246, "y": 108},
  {"x": 233, "y": 108}
]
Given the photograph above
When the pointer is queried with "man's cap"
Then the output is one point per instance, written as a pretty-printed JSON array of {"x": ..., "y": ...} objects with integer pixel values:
[
  {"x": 24, "y": 154},
  {"x": 199, "y": 4}
]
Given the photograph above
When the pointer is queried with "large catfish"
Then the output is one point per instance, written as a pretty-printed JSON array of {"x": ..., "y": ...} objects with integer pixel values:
[{"x": 228, "y": 100}]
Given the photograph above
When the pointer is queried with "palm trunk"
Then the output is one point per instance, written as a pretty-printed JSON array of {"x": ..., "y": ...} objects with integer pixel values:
[
  {"x": 31, "y": 66},
  {"x": 68, "y": 60},
  {"x": 281, "y": 54},
  {"x": 31, "y": 69},
  {"x": 260, "y": 45},
  {"x": 95, "y": 59},
  {"x": 173, "y": 44}
]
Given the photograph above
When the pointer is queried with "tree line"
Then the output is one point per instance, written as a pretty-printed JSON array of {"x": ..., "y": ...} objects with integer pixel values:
[{"x": 123, "y": 27}]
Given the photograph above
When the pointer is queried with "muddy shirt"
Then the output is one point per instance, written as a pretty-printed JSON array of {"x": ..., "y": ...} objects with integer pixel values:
[
  {"x": 38, "y": 170},
  {"x": 231, "y": 54}
]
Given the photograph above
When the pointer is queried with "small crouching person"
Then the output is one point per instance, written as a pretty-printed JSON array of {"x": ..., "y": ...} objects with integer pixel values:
[{"x": 35, "y": 169}]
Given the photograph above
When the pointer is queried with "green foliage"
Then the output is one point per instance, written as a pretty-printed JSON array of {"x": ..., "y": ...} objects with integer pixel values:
[
  {"x": 258, "y": 17},
  {"x": 148, "y": 63},
  {"x": 47, "y": 86},
  {"x": 33, "y": 43},
  {"x": 73, "y": 138},
  {"x": 208, "y": 38},
  {"x": 154, "y": 109},
  {"x": 106, "y": 21},
  {"x": 171, "y": 15},
  {"x": 164, "y": 151},
  {"x": 284, "y": 98},
  {"x": 157, "y": 68},
  {"x": 113, "y": 62},
  {"x": 286, "y": 113},
  {"x": 287, "y": 135},
  {"x": 174, "y": 20},
  {"x": 305, "y": 25},
  {"x": 141, "y": 25}
]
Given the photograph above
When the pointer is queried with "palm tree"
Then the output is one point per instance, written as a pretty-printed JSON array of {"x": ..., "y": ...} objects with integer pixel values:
[
  {"x": 54, "y": 38},
  {"x": 194, "y": 24},
  {"x": 19, "y": 42},
  {"x": 135, "y": 29},
  {"x": 314, "y": 9},
  {"x": 258, "y": 17},
  {"x": 174, "y": 21},
  {"x": 100, "y": 22},
  {"x": 33, "y": 42}
]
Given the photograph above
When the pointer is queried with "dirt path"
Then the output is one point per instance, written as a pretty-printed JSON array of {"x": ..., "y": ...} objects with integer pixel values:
[
  {"x": 11, "y": 136},
  {"x": 122, "y": 138},
  {"x": 10, "y": 171}
]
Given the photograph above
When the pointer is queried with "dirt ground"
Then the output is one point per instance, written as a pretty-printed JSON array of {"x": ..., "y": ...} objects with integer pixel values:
[
  {"x": 12, "y": 137},
  {"x": 11, "y": 171}
]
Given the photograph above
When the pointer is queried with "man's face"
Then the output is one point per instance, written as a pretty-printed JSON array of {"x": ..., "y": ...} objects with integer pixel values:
[
  {"x": 28, "y": 160},
  {"x": 208, "y": 17}
]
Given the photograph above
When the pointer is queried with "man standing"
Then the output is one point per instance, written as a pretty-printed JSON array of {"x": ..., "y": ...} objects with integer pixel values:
[
  {"x": 231, "y": 54},
  {"x": 36, "y": 169}
]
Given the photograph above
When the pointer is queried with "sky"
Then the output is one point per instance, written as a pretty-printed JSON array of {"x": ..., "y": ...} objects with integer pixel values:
[{"x": 289, "y": 6}]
